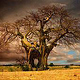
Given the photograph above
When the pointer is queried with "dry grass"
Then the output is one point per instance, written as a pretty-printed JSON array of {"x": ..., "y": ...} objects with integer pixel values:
[{"x": 68, "y": 74}]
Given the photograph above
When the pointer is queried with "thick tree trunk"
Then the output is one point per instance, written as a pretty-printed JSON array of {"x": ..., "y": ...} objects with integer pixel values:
[
  {"x": 46, "y": 60},
  {"x": 46, "y": 63},
  {"x": 42, "y": 52},
  {"x": 27, "y": 57}
]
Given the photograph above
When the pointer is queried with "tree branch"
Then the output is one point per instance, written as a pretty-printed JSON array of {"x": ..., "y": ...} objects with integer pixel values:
[
  {"x": 53, "y": 43},
  {"x": 19, "y": 33},
  {"x": 47, "y": 19}
]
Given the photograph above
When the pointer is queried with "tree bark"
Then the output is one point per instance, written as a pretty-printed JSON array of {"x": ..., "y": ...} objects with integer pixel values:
[
  {"x": 46, "y": 63},
  {"x": 42, "y": 51}
]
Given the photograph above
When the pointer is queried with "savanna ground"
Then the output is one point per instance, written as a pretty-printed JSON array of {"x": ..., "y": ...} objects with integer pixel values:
[{"x": 54, "y": 73}]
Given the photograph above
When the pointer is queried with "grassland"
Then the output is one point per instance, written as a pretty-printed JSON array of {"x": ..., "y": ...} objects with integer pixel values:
[
  {"x": 53, "y": 73},
  {"x": 63, "y": 67},
  {"x": 10, "y": 68},
  {"x": 19, "y": 68},
  {"x": 66, "y": 74}
]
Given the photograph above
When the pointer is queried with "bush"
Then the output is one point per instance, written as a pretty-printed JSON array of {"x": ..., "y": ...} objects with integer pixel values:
[
  {"x": 51, "y": 64},
  {"x": 25, "y": 67},
  {"x": 67, "y": 66}
]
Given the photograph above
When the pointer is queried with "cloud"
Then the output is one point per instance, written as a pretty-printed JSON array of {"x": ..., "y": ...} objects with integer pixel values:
[
  {"x": 74, "y": 7},
  {"x": 74, "y": 60},
  {"x": 61, "y": 53},
  {"x": 57, "y": 56},
  {"x": 13, "y": 52},
  {"x": 10, "y": 56},
  {"x": 13, "y": 8},
  {"x": 10, "y": 10}
]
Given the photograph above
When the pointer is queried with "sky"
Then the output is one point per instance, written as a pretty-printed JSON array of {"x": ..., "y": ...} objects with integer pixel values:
[
  {"x": 62, "y": 55},
  {"x": 11, "y": 10}
]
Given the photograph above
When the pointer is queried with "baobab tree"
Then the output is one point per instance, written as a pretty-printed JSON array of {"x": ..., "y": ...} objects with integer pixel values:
[
  {"x": 48, "y": 26},
  {"x": 53, "y": 25}
]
